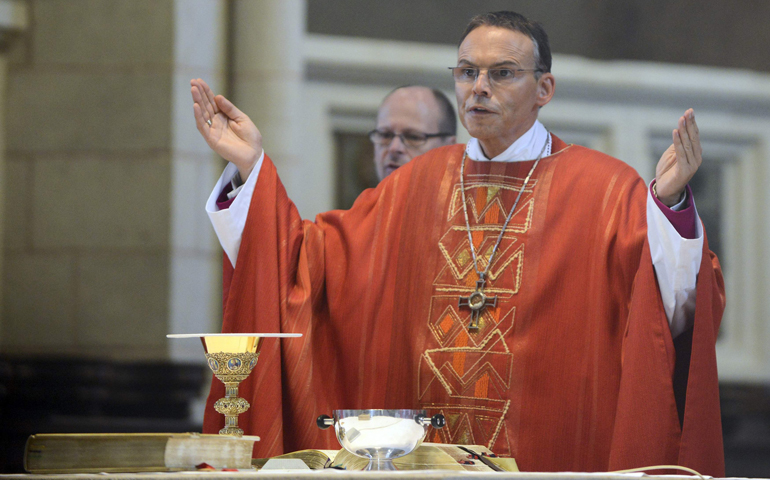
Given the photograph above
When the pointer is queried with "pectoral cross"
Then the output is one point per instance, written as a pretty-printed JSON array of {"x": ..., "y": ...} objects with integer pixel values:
[{"x": 477, "y": 302}]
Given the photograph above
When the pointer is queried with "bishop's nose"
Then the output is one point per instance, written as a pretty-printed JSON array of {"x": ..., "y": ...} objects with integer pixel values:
[{"x": 482, "y": 86}]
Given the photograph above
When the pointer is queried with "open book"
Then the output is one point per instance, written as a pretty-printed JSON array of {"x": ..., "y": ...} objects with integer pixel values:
[{"x": 428, "y": 456}]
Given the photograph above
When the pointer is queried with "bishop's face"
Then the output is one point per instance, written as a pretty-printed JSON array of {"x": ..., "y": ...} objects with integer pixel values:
[{"x": 498, "y": 114}]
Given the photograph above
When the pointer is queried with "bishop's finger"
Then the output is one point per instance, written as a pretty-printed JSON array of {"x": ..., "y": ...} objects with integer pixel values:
[
  {"x": 210, "y": 95},
  {"x": 200, "y": 122},
  {"x": 694, "y": 134},
  {"x": 681, "y": 154},
  {"x": 195, "y": 92},
  {"x": 228, "y": 108},
  {"x": 209, "y": 110},
  {"x": 684, "y": 136}
]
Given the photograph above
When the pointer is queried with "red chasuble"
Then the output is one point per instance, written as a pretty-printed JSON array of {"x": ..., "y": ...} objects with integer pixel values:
[{"x": 573, "y": 370}]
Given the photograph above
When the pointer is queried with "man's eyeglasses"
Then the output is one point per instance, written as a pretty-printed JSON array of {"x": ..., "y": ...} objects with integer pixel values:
[
  {"x": 497, "y": 76},
  {"x": 410, "y": 139}
]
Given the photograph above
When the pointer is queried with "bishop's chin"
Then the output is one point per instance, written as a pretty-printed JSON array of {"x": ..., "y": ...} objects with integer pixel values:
[{"x": 478, "y": 129}]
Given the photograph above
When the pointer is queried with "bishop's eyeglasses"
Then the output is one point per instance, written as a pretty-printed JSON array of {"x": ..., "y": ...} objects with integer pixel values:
[
  {"x": 497, "y": 76},
  {"x": 410, "y": 139}
]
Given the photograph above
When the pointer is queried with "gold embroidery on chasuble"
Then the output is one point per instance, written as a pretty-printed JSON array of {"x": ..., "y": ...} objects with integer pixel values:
[{"x": 467, "y": 375}]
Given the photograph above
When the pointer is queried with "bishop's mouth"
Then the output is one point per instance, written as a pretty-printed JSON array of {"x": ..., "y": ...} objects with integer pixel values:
[{"x": 479, "y": 110}]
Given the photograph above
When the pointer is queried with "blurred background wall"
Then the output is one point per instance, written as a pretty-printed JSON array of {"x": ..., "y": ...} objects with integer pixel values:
[{"x": 103, "y": 177}]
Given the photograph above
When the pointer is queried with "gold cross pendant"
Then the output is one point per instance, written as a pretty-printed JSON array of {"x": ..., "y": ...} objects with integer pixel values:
[{"x": 477, "y": 302}]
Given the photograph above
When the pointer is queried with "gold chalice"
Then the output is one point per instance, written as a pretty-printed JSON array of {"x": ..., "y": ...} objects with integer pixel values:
[{"x": 232, "y": 356}]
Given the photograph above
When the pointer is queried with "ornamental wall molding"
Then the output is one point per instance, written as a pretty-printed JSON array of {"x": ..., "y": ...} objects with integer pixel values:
[{"x": 363, "y": 61}]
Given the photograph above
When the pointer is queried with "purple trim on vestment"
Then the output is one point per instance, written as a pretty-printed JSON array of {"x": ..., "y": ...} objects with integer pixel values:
[
  {"x": 222, "y": 201},
  {"x": 683, "y": 220}
]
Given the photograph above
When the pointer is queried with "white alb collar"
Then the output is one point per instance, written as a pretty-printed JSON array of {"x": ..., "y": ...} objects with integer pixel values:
[{"x": 526, "y": 147}]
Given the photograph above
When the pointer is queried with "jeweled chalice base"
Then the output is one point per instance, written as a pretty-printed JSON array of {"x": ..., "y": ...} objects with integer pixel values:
[{"x": 232, "y": 356}]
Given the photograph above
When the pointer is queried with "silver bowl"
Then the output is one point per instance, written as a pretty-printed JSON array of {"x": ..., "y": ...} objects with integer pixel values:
[{"x": 380, "y": 435}]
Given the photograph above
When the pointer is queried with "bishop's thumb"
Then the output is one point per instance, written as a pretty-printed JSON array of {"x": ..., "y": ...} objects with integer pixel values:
[{"x": 228, "y": 108}]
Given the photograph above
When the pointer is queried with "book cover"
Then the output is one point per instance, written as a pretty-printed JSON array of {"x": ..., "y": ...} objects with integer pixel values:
[{"x": 134, "y": 452}]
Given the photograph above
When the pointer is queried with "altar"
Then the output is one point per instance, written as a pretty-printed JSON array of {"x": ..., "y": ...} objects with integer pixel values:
[{"x": 347, "y": 475}]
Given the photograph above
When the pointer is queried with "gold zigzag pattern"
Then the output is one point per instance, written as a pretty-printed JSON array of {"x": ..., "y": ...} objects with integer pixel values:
[
  {"x": 502, "y": 259},
  {"x": 456, "y": 203},
  {"x": 489, "y": 369},
  {"x": 474, "y": 371},
  {"x": 445, "y": 334},
  {"x": 514, "y": 226}
]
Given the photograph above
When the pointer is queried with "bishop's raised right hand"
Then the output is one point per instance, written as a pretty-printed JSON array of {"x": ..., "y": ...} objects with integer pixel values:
[{"x": 231, "y": 134}]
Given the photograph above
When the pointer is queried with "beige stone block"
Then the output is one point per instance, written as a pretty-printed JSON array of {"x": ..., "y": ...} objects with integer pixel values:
[
  {"x": 106, "y": 33},
  {"x": 55, "y": 111},
  {"x": 17, "y": 218},
  {"x": 94, "y": 202},
  {"x": 38, "y": 301},
  {"x": 122, "y": 300}
]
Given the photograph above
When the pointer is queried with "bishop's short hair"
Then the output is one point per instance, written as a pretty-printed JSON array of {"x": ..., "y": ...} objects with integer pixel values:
[{"x": 518, "y": 23}]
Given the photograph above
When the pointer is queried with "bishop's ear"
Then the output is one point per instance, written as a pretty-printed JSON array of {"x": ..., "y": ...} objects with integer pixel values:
[{"x": 546, "y": 85}]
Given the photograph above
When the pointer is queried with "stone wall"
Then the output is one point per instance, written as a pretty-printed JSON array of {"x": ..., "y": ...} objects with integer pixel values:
[{"x": 97, "y": 92}]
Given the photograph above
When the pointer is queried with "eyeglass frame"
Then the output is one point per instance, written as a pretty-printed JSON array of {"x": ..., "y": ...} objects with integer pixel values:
[
  {"x": 427, "y": 136},
  {"x": 491, "y": 81}
]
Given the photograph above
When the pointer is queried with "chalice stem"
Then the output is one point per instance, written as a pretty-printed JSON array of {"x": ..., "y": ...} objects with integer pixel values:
[
  {"x": 231, "y": 405},
  {"x": 231, "y": 390},
  {"x": 231, "y": 417}
]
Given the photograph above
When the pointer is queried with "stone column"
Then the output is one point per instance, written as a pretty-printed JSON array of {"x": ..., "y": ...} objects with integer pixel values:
[
  {"x": 267, "y": 79},
  {"x": 195, "y": 259},
  {"x": 13, "y": 22}
]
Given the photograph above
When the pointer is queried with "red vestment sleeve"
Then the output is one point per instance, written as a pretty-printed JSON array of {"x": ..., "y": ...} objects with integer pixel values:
[
  {"x": 279, "y": 247},
  {"x": 247, "y": 308},
  {"x": 647, "y": 427}
]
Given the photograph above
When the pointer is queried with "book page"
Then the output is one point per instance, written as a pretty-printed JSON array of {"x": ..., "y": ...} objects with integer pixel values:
[
  {"x": 425, "y": 457},
  {"x": 314, "y": 459}
]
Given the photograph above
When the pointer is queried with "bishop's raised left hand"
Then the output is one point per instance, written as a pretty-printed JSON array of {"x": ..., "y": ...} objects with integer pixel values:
[{"x": 680, "y": 161}]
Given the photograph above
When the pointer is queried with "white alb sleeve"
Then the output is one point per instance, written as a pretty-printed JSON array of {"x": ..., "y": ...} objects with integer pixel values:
[
  {"x": 676, "y": 261},
  {"x": 228, "y": 223}
]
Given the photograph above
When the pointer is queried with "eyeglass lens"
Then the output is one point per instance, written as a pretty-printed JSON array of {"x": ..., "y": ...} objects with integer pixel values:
[
  {"x": 496, "y": 75},
  {"x": 407, "y": 138}
]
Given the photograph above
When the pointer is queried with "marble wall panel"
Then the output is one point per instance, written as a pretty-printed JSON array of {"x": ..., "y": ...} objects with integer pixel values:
[
  {"x": 96, "y": 202},
  {"x": 122, "y": 300},
  {"x": 95, "y": 32},
  {"x": 38, "y": 302},
  {"x": 17, "y": 209},
  {"x": 83, "y": 110}
]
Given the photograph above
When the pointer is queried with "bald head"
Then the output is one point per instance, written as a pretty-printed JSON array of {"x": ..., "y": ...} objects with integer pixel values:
[{"x": 412, "y": 111}]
